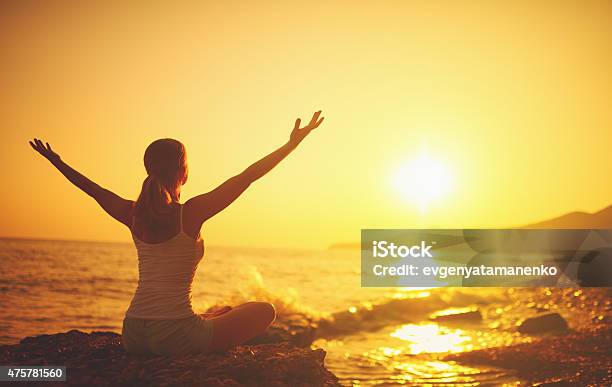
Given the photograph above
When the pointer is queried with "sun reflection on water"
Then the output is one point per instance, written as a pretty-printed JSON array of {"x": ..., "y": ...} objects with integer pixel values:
[
  {"x": 432, "y": 338},
  {"x": 415, "y": 354},
  {"x": 436, "y": 372}
]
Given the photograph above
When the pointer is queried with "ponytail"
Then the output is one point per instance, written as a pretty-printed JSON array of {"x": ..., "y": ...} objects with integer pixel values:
[{"x": 153, "y": 205}]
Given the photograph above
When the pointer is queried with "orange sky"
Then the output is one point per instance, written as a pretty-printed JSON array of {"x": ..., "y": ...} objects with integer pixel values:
[{"x": 514, "y": 97}]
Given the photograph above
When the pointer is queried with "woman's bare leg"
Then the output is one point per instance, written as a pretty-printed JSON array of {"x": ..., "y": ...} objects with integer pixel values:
[{"x": 240, "y": 324}]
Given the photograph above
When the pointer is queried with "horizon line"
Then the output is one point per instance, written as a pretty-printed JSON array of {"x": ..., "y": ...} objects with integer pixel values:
[{"x": 129, "y": 242}]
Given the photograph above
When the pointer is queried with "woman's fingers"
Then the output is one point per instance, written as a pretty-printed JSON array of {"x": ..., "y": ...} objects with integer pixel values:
[
  {"x": 315, "y": 122},
  {"x": 217, "y": 312},
  {"x": 222, "y": 310},
  {"x": 298, "y": 133},
  {"x": 35, "y": 145},
  {"x": 42, "y": 148},
  {"x": 314, "y": 119}
]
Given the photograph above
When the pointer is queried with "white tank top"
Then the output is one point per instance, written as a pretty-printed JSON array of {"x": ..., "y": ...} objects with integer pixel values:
[{"x": 165, "y": 274}]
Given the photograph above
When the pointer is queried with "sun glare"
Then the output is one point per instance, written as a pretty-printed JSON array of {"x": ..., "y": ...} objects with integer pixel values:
[
  {"x": 422, "y": 181},
  {"x": 431, "y": 337}
]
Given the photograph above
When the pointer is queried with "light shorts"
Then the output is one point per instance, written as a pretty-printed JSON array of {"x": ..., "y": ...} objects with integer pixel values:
[{"x": 191, "y": 335}]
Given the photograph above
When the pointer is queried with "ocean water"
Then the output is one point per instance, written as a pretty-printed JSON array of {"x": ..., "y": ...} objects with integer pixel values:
[{"x": 372, "y": 336}]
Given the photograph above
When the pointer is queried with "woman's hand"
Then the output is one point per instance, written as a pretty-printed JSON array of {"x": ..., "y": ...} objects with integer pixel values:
[
  {"x": 216, "y": 312},
  {"x": 298, "y": 134},
  {"x": 45, "y": 151}
]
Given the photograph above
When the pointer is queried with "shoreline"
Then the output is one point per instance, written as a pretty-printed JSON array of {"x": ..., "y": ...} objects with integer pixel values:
[
  {"x": 98, "y": 358},
  {"x": 285, "y": 354},
  {"x": 280, "y": 356}
]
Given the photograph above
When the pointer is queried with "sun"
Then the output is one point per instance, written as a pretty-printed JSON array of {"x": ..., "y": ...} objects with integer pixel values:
[{"x": 423, "y": 181}]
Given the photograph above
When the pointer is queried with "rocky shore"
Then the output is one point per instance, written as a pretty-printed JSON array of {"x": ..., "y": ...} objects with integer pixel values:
[
  {"x": 565, "y": 359},
  {"x": 280, "y": 357}
]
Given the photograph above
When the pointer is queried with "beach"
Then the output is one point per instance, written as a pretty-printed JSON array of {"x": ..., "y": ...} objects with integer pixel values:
[{"x": 370, "y": 336}]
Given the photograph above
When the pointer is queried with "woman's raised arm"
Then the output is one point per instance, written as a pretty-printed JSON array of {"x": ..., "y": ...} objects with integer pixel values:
[
  {"x": 113, "y": 204},
  {"x": 209, "y": 204}
]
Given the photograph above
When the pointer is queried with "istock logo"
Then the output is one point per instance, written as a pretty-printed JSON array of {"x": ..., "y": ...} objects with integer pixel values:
[{"x": 383, "y": 249}]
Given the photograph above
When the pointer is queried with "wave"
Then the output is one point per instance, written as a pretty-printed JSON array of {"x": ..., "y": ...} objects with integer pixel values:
[
  {"x": 287, "y": 303},
  {"x": 399, "y": 307}
]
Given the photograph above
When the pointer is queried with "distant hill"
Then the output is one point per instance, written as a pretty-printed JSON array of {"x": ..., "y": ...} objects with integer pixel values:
[{"x": 599, "y": 219}]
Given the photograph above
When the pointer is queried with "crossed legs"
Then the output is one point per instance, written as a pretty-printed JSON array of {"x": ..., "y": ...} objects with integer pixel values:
[{"x": 241, "y": 323}]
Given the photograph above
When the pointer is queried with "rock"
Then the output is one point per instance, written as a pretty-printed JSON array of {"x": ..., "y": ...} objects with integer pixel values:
[
  {"x": 98, "y": 358},
  {"x": 580, "y": 359},
  {"x": 545, "y": 323},
  {"x": 463, "y": 315}
]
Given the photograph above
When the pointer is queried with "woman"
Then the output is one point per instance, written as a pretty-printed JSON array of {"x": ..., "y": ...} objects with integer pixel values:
[{"x": 160, "y": 319}]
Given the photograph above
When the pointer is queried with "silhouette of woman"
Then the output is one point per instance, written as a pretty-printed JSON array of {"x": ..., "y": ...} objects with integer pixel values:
[{"x": 166, "y": 233}]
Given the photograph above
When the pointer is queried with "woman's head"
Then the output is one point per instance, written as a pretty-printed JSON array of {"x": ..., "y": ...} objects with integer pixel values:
[{"x": 165, "y": 161}]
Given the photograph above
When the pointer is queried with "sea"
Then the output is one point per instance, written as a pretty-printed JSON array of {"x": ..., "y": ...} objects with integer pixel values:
[{"x": 372, "y": 336}]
